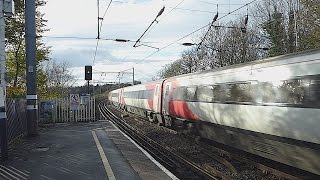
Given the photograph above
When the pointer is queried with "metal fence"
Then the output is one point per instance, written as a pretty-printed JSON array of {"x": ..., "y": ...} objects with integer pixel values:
[
  {"x": 16, "y": 118},
  {"x": 62, "y": 112},
  {"x": 16, "y": 124}
]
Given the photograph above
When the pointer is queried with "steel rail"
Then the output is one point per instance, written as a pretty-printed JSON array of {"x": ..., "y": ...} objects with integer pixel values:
[
  {"x": 226, "y": 163},
  {"x": 183, "y": 167}
]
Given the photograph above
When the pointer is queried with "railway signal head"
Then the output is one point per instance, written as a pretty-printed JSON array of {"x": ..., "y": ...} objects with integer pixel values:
[{"x": 88, "y": 73}]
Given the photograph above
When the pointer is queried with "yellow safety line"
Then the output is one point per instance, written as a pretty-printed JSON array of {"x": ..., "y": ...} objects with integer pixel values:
[{"x": 104, "y": 159}]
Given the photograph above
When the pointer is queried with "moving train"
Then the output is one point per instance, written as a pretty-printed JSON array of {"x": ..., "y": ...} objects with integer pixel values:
[{"x": 268, "y": 107}]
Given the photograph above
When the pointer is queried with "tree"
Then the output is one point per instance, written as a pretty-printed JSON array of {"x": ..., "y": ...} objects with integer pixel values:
[
  {"x": 276, "y": 28},
  {"x": 309, "y": 24},
  {"x": 15, "y": 31},
  {"x": 170, "y": 70},
  {"x": 59, "y": 79},
  {"x": 290, "y": 25}
]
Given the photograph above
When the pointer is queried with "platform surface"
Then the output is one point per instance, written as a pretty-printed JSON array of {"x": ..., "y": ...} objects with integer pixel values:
[{"x": 80, "y": 151}]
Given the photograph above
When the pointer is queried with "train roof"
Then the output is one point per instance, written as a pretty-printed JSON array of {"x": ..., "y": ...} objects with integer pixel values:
[
  {"x": 256, "y": 62},
  {"x": 137, "y": 85}
]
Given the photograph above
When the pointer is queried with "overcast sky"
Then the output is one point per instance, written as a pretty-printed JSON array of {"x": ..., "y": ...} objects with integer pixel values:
[{"x": 127, "y": 19}]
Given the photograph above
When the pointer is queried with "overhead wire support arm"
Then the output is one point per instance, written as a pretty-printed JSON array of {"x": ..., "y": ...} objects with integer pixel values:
[
  {"x": 155, "y": 20},
  {"x": 148, "y": 46},
  {"x": 244, "y": 29},
  {"x": 213, "y": 21},
  {"x": 99, "y": 29},
  {"x": 98, "y": 6}
]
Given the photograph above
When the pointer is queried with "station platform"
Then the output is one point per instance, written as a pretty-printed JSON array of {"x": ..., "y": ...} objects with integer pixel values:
[{"x": 80, "y": 151}]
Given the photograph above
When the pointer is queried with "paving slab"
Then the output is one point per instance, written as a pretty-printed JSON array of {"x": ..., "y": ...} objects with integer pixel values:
[{"x": 70, "y": 151}]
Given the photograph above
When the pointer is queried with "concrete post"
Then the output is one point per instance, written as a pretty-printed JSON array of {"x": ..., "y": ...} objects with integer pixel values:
[{"x": 31, "y": 70}]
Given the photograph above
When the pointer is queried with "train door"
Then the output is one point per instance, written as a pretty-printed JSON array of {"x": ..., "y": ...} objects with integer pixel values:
[
  {"x": 166, "y": 98},
  {"x": 156, "y": 97},
  {"x": 121, "y": 99},
  {"x": 119, "y": 96}
]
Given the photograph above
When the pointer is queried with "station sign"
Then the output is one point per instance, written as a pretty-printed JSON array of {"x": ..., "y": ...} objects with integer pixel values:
[
  {"x": 85, "y": 99},
  {"x": 74, "y": 101}
]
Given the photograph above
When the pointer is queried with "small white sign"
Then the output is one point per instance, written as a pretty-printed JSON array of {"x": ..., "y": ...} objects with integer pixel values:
[
  {"x": 74, "y": 101},
  {"x": 85, "y": 99},
  {"x": 30, "y": 69}
]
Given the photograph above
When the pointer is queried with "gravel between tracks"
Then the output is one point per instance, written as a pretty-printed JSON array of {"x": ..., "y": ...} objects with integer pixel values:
[{"x": 187, "y": 147}]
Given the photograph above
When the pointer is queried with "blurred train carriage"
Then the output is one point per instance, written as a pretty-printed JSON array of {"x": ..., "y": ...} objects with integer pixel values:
[{"x": 269, "y": 107}]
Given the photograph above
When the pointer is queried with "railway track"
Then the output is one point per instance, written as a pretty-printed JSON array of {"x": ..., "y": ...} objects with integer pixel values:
[
  {"x": 178, "y": 165},
  {"x": 230, "y": 162},
  {"x": 266, "y": 166}
]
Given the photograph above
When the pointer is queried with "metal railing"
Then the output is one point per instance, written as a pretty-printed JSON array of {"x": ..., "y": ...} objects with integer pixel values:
[
  {"x": 15, "y": 125},
  {"x": 16, "y": 117},
  {"x": 62, "y": 112}
]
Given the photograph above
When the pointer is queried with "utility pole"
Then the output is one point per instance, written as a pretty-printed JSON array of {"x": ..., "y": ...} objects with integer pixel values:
[
  {"x": 119, "y": 79},
  {"x": 132, "y": 76},
  {"x": 88, "y": 87},
  {"x": 31, "y": 71},
  {"x": 98, "y": 4},
  {"x": 3, "y": 117}
]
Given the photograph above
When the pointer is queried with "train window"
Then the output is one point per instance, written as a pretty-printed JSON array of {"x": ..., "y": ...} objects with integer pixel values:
[
  {"x": 141, "y": 94},
  {"x": 146, "y": 94},
  {"x": 218, "y": 93},
  {"x": 285, "y": 92},
  {"x": 205, "y": 94},
  {"x": 179, "y": 93},
  {"x": 242, "y": 92},
  {"x": 248, "y": 92},
  {"x": 167, "y": 90},
  {"x": 230, "y": 92},
  {"x": 314, "y": 92},
  {"x": 267, "y": 92},
  {"x": 301, "y": 92},
  {"x": 221, "y": 92},
  {"x": 191, "y": 94},
  {"x": 131, "y": 94},
  {"x": 291, "y": 92}
]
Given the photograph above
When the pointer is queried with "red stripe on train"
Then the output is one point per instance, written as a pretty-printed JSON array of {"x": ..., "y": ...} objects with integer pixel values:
[
  {"x": 181, "y": 109},
  {"x": 151, "y": 86}
]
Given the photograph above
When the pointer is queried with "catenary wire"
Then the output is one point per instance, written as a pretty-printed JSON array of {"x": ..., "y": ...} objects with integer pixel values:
[
  {"x": 97, "y": 45},
  {"x": 105, "y": 12},
  {"x": 210, "y": 12},
  {"x": 172, "y": 9},
  {"x": 193, "y": 32},
  {"x": 92, "y": 38}
]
